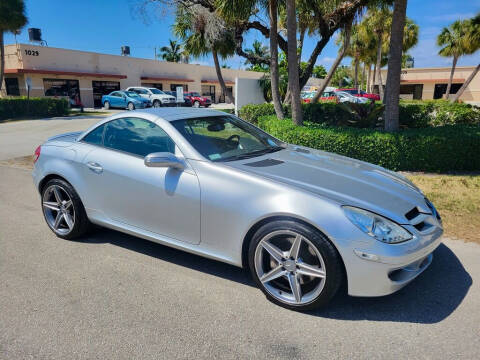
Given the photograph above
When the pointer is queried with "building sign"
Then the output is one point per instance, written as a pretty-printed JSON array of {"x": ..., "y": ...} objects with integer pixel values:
[
  {"x": 32, "y": 52},
  {"x": 180, "y": 94}
]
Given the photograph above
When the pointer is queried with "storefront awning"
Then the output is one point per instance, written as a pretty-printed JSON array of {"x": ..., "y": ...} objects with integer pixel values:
[
  {"x": 61, "y": 72},
  {"x": 156, "y": 78},
  {"x": 437, "y": 81},
  {"x": 227, "y": 82}
]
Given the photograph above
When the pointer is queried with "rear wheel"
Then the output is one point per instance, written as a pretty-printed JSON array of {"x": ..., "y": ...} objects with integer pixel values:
[
  {"x": 63, "y": 210},
  {"x": 106, "y": 105},
  {"x": 294, "y": 265},
  {"x": 130, "y": 106}
]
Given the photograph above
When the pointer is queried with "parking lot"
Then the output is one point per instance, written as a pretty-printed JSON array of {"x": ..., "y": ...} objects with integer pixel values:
[{"x": 113, "y": 296}]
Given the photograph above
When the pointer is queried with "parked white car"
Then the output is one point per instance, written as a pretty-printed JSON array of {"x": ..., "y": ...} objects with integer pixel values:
[
  {"x": 157, "y": 97},
  {"x": 346, "y": 97}
]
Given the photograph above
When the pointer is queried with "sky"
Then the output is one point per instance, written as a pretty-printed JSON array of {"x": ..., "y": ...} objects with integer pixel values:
[{"x": 105, "y": 25}]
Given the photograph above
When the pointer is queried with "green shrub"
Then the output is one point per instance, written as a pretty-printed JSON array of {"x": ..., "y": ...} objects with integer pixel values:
[
  {"x": 413, "y": 114},
  {"x": 440, "y": 149},
  {"x": 11, "y": 108}
]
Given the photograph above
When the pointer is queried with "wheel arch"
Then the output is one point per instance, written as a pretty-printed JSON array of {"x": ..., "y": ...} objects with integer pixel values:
[
  {"x": 249, "y": 235},
  {"x": 49, "y": 177}
]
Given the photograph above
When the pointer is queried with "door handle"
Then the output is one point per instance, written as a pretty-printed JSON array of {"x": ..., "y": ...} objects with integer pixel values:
[{"x": 95, "y": 167}]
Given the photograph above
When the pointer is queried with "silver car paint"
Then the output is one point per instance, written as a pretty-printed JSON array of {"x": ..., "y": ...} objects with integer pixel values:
[{"x": 208, "y": 208}]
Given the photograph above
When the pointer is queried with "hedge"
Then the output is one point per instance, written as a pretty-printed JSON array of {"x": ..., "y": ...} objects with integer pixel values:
[
  {"x": 413, "y": 114},
  {"x": 17, "y": 107},
  {"x": 440, "y": 149}
]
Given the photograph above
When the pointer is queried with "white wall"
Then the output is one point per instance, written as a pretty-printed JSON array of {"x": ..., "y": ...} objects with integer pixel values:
[{"x": 248, "y": 91}]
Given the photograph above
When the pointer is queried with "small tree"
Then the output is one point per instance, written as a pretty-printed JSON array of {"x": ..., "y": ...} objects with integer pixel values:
[
  {"x": 12, "y": 17},
  {"x": 173, "y": 52}
]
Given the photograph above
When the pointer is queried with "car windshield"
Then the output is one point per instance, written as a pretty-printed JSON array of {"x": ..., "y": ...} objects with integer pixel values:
[
  {"x": 131, "y": 94},
  {"x": 225, "y": 138},
  {"x": 194, "y": 94},
  {"x": 156, "y": 91}
]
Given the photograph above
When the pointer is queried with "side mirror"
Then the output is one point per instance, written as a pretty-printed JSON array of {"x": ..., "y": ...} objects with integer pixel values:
[{"x": 164, "y": 159}]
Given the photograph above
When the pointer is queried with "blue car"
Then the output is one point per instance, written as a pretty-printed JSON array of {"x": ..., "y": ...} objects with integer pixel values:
[{"x": 125, "y": 100}]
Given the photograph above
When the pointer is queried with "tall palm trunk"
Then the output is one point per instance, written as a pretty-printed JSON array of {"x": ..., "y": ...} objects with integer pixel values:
[
  {"x": 372, "y": 85},
  {"x": 363, "y": 76},
  {"x": 293, "y": 76},
  {"x": 450, "y": 80},
  {"x": 369, "y": 74},
  {"x": 356, "y": 73},
  {"x": 338, "y": 59},
  {"x": 379, "y": 64},
  {"x": 218, "y": 69},
  {"x": 274, "y": 81},
  {"x": 392, "y": 91},
  {"x": 2, "y": 59},
  {"x": 465, "y": 84}
]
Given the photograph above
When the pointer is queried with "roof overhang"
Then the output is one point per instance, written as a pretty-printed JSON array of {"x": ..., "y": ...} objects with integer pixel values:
[
  {"x": 156, "y": 78},
  {"x": 61, "y": 72},
  {"x": 217, "y": 82},
  {"x": 423, "y": 81}
]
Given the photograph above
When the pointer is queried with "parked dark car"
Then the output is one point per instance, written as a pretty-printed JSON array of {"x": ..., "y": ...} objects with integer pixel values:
[
  {"x": 186, "y": 100},
  {"x": 197, "y": 99}
]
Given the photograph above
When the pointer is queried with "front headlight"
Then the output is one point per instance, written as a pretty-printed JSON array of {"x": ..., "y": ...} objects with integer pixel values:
[{"x": 377, "y": 226}]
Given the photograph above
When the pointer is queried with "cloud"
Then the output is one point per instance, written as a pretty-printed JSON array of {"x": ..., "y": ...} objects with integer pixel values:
[{"x": 327, "y": 60}]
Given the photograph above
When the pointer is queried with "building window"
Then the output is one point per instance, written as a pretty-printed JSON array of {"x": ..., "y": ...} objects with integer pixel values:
[
  {"x": 411, "y": 91},
  {"x": 173, "y": 87},
  {"x": 63, "y": 87},
  {"x": 441, "y": 89},
  {"x": 153, "y": 85},
  {"x": 209, "y": 90},
  {"x": 101, "y": 88},
  {"x": 11, "y": 85}
]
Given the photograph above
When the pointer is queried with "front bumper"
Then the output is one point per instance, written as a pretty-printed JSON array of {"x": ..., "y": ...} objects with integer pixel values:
[{"x": 382, "y": 269}]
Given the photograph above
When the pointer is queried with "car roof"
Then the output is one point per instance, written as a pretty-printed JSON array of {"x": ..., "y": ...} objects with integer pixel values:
[{"x": 177, "y": 113}]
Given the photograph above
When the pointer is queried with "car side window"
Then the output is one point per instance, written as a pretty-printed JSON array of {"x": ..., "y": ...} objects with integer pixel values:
[
  {"x": 137, "y": 136},
  {"x": 116, "y": 94},
  {"x": 95, "y": 136}
]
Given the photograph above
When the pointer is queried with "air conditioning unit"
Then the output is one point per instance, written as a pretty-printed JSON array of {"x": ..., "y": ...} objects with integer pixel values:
[
  {"x": 35, "y": 35},
  {"x": 125, "y": 50}
]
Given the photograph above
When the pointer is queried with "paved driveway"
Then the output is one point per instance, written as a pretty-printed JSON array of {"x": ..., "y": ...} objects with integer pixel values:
[{"x": 113, "y": 296}]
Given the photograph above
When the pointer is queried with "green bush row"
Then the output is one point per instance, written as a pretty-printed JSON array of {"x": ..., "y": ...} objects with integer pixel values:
[
  {"x": 17, "y": 107},
  {"x": 440, "y": 149},
  {"x": 413, "y": 114}
]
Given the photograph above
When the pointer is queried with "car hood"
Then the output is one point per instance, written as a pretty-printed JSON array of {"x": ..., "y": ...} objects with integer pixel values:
[{"x": 339, "y": 178}]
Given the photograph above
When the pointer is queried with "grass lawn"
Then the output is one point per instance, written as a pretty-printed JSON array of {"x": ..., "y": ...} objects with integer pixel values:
[{"x": 457, "y": 199}]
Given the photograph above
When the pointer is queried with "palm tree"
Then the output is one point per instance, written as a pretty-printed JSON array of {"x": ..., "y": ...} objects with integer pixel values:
[
  {"x": 455, "y": 43},
  {"x": 395, "y": 65},
  {"x": 274, "y": 72},
  {"x": 293, "y": 75},
  {"x": 473, "y": 37},
  {"x": 204, "y": 32},
  {"x": 172, "y": 53},
  {"x": 258, "y": 50},
  {"x": 12, "y": 18}
]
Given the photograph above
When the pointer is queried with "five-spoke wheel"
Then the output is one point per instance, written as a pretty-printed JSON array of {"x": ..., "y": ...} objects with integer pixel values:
[{"x": 295, "y": 265}]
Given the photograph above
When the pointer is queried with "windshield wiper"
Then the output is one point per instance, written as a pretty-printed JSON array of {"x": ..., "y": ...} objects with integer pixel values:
[{"x": 254, "y": 153}]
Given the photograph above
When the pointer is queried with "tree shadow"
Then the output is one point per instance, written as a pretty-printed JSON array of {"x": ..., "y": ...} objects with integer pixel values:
[{"x": 429, "y": 299}]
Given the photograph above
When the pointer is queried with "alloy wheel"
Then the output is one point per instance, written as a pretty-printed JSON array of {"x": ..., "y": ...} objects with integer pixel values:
[
  {"x": 58, "y": 209},
  {"x": 290, "y": 267}
]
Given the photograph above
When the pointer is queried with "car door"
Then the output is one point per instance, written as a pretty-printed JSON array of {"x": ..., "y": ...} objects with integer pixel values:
[
  {"x": 163, "y": 201},
  {"x": 115, "y": 99}
]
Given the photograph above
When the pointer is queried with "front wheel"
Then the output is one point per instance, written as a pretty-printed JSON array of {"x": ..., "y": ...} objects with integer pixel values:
[
  {"x": 157, "y": 104},
  {"x": 295, "y": 265},
  {"x": 63, "y": 210},
  {"x": 196, "y": 104},
  {"x": 130, "y": 106}
]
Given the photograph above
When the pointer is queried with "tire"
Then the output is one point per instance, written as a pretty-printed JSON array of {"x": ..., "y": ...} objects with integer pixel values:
[
  {"x": 81, "y": 225},
  {"x": 106, "y": 105},
  {"x": 196, "y": 104},
  {"x": 316, "y": 290},
  {"x": 156, "y": 104},
  {"x": 130, "y": 106}
]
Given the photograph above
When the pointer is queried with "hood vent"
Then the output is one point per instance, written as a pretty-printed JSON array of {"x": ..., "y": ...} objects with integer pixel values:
[{"x": 264, "y": 163}]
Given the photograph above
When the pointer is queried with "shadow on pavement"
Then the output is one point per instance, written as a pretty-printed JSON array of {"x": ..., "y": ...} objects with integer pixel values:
[{"x": 429, "y": 299}]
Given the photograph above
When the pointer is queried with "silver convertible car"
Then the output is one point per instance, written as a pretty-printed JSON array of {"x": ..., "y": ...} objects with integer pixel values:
[{"x": 301, "y": 220}]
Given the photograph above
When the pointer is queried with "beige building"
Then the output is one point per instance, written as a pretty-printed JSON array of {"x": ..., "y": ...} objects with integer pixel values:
[
  {"x": 431, "y": 83},
  {"x": 63, "y": 72}
]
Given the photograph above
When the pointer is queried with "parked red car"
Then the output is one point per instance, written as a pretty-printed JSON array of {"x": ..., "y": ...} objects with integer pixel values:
[
  {"x": 361, "y": 93},
  {"x": 197, "y": 100},
  {"x": 327, "y": 96}
]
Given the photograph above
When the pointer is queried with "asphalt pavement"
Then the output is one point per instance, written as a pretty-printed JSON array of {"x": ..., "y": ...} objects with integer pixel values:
[{"x": 114, "y": 296}]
